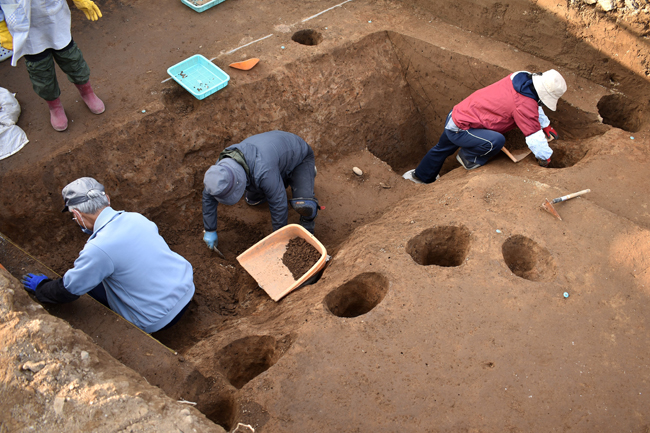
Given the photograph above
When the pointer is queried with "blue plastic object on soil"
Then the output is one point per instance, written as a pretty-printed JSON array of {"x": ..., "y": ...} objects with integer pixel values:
[
  {"x": 199, "y": 76},
  {"x": 200, "y": 6}
]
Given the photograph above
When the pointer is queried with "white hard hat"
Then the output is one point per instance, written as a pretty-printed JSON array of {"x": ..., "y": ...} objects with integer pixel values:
[{"x": 550, "y": 86}]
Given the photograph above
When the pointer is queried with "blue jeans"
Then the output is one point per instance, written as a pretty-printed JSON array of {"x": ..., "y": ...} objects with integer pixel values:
[
  {"x": 99, "y": 294},
  {"x": 477, "y": 146}
]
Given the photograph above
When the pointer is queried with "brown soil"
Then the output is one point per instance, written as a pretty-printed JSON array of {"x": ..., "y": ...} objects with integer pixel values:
[
  {"x": 441, "y": 308},
  {"x": 300, "y": 257}
]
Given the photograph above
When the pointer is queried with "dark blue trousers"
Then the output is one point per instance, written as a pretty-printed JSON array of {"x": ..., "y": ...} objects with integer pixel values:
[
  {"x": 301, "y": 179},
  {"x": 99, "y": 294},
  {"x": 477, "y": 146}
]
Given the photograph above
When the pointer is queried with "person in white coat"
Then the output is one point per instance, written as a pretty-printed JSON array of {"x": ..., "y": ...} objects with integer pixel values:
[{"x": 39, "y": 30}]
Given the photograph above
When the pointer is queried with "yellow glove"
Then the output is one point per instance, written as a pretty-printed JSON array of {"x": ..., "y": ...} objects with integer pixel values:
[
  {"x": 89, "y": 8},
  {"x": 6, "y": 41}
]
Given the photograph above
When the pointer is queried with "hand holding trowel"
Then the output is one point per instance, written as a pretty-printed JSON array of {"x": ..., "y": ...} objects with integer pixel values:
[
  {"x": 548, "y": 205},
  {"x": 211, "y": 239}
]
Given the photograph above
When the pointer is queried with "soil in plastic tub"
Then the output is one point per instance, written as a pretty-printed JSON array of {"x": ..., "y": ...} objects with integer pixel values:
[{"x": 300, "y": 257}]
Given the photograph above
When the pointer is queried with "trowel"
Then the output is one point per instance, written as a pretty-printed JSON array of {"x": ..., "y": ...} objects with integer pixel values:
[
  {"x": 548, "y": 205},
  {"x": 218, "y": 252}
]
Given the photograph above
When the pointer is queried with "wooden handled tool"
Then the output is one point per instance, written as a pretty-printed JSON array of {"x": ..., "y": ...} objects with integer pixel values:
[
  {"x": 568, "y": 196},
  {"x": 548, "y": 205}
]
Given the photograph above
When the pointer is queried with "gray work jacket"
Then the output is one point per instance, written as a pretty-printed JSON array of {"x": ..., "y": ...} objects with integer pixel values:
[{"x": 270, "y": 157}]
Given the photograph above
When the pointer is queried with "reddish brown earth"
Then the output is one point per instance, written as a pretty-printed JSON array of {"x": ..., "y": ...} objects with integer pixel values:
[
  {"x": 299, "y": 257},
  {"x": 442, "y": 308}
]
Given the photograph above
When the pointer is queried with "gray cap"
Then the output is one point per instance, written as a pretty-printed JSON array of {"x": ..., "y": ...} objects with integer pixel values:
[
  {"x": 225, "y": 181},
  {"x": 76, "y": 192}
]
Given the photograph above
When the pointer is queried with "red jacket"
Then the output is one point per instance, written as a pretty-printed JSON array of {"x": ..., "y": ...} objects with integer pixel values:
[{"x": 498, "y": 107}]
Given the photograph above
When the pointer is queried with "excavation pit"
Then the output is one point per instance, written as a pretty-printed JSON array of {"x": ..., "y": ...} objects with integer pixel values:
[
  {"x": 527, "y": 259},
  {"x": 621, "y": 112},
  {"x": 446, "y": 246},
  {"x": 246, "y": 358},
  {"x": 307, "y": 37},
  {"x": 358, "y": 296},
  {"x": 395, "y": 109},
  {"x": 567, "y": 153}
]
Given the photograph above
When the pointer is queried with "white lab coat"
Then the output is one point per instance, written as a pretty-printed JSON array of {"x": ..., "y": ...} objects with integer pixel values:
[{"x": 36, "y": 25}]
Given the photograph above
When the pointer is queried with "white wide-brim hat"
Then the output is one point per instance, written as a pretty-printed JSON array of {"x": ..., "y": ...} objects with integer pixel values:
[{"x": 550, "y": 87}]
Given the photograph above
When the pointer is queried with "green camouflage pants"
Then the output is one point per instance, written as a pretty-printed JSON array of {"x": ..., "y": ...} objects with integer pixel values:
[{"x": 43, "y": 75}]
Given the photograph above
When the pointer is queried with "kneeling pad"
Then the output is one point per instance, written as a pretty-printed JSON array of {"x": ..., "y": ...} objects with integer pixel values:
[{"x": 306, "y": 207}]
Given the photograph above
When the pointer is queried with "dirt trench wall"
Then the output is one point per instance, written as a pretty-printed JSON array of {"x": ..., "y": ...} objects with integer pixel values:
[
  {"x": 609, "y": 48},
  {"x": 56, "y": 379},
  {"x": 440, "y": 79},
  {"x": 338, "y": 102}
]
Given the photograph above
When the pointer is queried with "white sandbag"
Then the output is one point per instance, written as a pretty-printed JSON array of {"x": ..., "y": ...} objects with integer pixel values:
[{"x": 12, "y": 137}]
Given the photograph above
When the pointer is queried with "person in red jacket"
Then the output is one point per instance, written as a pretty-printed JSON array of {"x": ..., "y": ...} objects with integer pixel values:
[{"x": 477, "y": 124}]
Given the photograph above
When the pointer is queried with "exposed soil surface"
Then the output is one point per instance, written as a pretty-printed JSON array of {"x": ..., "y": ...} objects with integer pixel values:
[
  {"x": 441, "y": 308},
  {"x": 300, "y": 257}
]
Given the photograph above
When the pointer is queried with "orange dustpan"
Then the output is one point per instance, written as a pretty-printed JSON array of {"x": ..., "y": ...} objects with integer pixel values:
[
  {"x": 245, "y": 65},
  {"x": 264, "y": 261}
]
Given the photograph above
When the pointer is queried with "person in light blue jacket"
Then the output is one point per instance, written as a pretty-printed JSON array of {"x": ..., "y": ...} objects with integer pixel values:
[{"x": 125, "y": 263}]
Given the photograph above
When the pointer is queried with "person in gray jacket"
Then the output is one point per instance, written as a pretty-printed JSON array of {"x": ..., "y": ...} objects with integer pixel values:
[
  {"x": 263, "y": 166},
  {"x": 125, "y": 264}
]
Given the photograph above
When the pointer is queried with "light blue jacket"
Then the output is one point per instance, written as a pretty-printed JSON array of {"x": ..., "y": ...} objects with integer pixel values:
[{"x": 146, "y": 283}]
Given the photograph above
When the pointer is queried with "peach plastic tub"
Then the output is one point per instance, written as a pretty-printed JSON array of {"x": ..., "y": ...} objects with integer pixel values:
[{"x": 264, "y": 261}]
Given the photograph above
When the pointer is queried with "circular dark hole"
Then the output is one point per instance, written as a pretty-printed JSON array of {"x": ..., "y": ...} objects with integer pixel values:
[
  {"x": 621, "y": 112},
  {"x": 527, "y": 259},
  {"x": 244, "y": 359},
  {"x": 441, "y": 246},
  {"x": 358, "y": 296},
  {"x": 566, "y": 153},
  {"x": 307, "y": 37}
]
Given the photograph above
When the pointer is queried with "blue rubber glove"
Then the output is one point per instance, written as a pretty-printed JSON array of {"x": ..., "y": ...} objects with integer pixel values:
[
  {"x": 31, "y": 281},
  {"x": 210, "y": 239}
]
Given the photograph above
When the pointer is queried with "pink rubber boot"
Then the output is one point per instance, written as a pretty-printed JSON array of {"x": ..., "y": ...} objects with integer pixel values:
[
  {"x": 57, "y": 115},
  {"x": 95, "y": 104}
]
